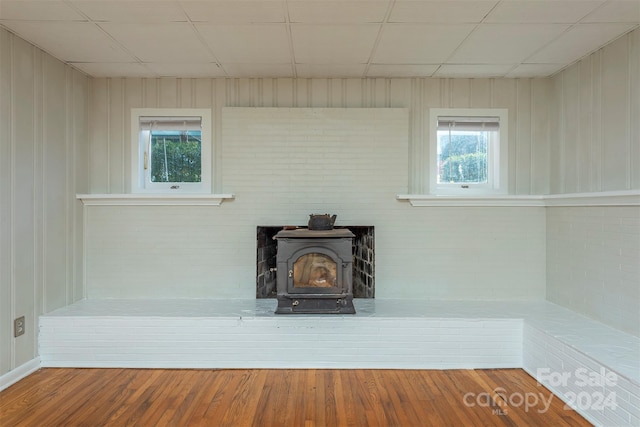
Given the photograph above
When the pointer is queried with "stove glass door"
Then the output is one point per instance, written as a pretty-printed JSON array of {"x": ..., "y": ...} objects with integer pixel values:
[{"x": 314, "y": 270}]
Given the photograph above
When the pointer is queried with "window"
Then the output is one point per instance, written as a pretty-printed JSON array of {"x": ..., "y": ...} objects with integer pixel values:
[
  {"x": 468, "y": 151},
  {"x": 171, "y": 150}
]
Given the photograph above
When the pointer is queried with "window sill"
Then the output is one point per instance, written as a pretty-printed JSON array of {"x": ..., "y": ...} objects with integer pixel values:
[
  {"x": 153, "y": 199},
  {"x": 604, "y": 198}
]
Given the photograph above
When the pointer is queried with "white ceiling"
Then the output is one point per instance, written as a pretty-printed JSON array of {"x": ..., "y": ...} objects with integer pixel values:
[{"x": 320, "y": 38}]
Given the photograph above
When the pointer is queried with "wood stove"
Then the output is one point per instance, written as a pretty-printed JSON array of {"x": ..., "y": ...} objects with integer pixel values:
[{"x": 314, "y": 271}]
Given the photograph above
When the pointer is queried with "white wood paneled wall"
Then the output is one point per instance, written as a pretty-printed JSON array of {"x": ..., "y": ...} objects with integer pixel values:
[
  {"x": 424, "y": 254},
  {"x": 595, "y": 131},
  {"x": 43, "y": 163},
  {"x": 527, "y": 100},
  {"x": 593, "y": 252}
]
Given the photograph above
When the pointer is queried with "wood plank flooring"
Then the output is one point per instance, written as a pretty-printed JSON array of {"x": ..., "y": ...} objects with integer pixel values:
[{"x": 273, "y": 397}]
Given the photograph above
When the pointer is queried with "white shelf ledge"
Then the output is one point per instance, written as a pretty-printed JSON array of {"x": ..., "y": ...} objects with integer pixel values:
[
  {"x": 421, "y": 200},
  {"x": 603, "y": 198},
  {"x": 153, "y": 199}
]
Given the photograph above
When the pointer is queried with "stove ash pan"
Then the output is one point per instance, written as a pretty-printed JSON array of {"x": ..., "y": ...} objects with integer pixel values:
[{"x": 315, "y": 269}]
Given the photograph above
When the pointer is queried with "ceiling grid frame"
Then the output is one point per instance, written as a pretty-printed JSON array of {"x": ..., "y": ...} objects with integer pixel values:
[{"x": 102, "y": 38}]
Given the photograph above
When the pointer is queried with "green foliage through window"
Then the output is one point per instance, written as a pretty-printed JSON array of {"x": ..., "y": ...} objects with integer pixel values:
[
  {"x": 176, "y": 156},
  {"x": 462, "y": 157}
]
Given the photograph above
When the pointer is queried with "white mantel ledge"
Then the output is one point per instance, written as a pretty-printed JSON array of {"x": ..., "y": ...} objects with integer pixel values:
[{"x": 131, "y": 199}]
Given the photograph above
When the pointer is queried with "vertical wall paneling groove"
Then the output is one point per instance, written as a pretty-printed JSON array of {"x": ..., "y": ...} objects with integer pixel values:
[
  {"x": 108, "y": 136},
  {"x": 179, "y": 92},
  {"x": 615, "y": 95},
  {"x": 39, "y": 179},
  {"x": 540, "y": 132},
  {"x": 524, "y": 166},
  {"x": 34, "y": 197},
  {"x": 558, "y": 155},
  {"x": 571, "y": 107},
  {"x": 6, "y": 344},
  {"x": 218, "y": 100},
  {"x": 123, "y": 137},
  {"x": 505, "y": 96},
  {"x": 80, "y": 180},
  {"x": 116, "y": 124},
  {"x": 531, "y": 176},
  {"x": 515, "y": 151},
  {"x": 416, "y": 136},
  {"x": 634, "y": 109},
  {"x": 70, "y": 180},
  {"x": 11, "y": 213},
  {"x": 167, "y": 92},
  {"x": 364, "y": 84},
  {"x": 45, "y": 206},
  {"x": 243, "y": 91},
  {"x": 38, "y": 159},
  {"x": 492, "y": 101},
  {"x": 596, "y": 153},
  {"x": 585, "y": 108},
  {"x": 194, "y": 91},
  {"x": 480, "y": 93},
  {"x": 629, "y": 118}
]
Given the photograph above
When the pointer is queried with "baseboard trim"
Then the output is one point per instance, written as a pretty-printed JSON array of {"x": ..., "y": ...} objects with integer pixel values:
[{"x": 22, "y": 371}]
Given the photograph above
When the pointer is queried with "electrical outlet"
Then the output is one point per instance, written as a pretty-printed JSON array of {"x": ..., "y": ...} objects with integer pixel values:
[{"x": 18, "y": 326}]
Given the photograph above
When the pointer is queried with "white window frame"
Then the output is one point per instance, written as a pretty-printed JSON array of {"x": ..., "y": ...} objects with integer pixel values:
[
  {"x": 497, "y": 158},
  {"x": 139, "y": 181}
]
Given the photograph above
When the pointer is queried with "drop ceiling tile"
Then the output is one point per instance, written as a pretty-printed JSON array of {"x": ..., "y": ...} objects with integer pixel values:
[
  {"x": 185, "y": 69},
  {"x": 470, "y": 11},
  {"x": 235, "y": 12},
  {"x": 259, "y": 70},
  {"x": 616, "y": 11},
  {"x": 401, "y": 70},
  {"x": 542, "y": 11},
  {"x": 38, "y": 11},
  {"x": 419, "y": 44},
  {"x": 114, "y": 69},
  {"x": 579, "y": 41},
  {"x": 337, "y": 12},
  {"x": 330, "y": 70},
  {"x": 154, "y": 42},
  {"x": 473, "y": 70},
  {"x": 535, "y": 70},
  {"x": 70, "y": 41},
  {"x": 505, "y": 43},
  {"x": 131, "y": 10},
  {"x": 260, "y": 43},
  {"x": 333, "y": 44}
]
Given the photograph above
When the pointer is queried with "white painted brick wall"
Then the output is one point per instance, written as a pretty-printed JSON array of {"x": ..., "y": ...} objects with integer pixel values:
[
  {"x": 284, "y": 342},
  {"x": 286, "y": 163},
  {"x": 593, "y": 263},
  {"x": 584, "y": 388}
]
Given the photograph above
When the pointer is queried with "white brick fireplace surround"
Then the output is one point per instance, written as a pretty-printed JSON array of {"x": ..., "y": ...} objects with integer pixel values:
[{"x": 547, "y": 340}]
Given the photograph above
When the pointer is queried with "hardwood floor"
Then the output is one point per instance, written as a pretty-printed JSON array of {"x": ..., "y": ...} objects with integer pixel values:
[{"x": 270, "y": 397}]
